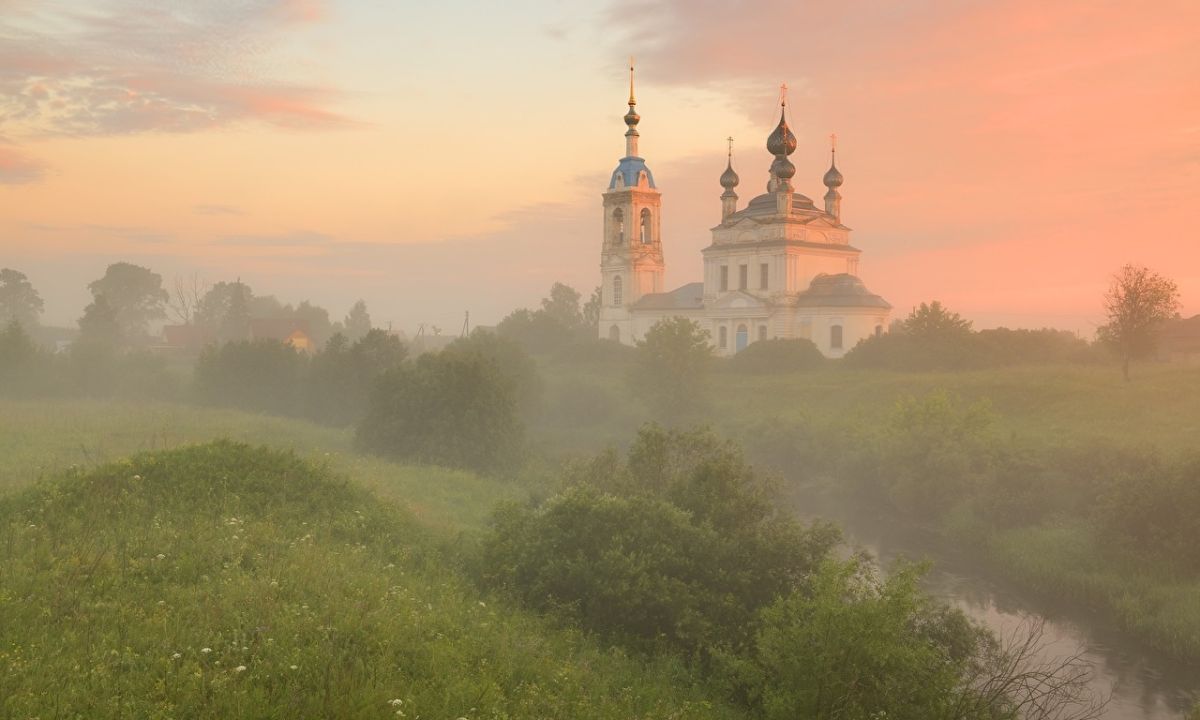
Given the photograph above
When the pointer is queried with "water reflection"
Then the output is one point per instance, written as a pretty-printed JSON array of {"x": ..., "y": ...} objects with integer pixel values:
[{"x": 1142, "y": 684}]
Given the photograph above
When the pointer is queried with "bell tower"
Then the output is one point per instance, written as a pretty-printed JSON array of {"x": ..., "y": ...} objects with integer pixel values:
[{"x": 631, "y": 256}]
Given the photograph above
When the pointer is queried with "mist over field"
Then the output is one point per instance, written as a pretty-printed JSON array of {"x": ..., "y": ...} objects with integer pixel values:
[{"x": 355, "y": 362}]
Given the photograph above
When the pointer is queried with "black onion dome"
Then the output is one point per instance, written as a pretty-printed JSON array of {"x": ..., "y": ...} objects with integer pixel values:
[
  {"x": 833, "y": 177},
  {"x": 781, "y": 141},
  {"x": 783, "y": 168},
  {"x": 729, "y": 178}
]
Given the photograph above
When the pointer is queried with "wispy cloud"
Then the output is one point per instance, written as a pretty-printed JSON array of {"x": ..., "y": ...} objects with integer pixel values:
[
  {"x": 130, "y": 66},
  {"x": 17, "y": 168},
  {"x": 300, "y": 238}
]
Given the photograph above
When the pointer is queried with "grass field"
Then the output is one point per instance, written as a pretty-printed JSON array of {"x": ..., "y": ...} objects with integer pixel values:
[
  {"x": 221, "y": 581},
  {"x": 39, "y": 439}
]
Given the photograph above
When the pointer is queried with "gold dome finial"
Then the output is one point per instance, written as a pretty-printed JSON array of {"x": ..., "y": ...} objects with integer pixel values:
[{"x": 632, "y": 100}]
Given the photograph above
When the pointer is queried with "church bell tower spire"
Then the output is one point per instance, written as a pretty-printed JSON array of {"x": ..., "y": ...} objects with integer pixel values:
[{"x": 631, "y": 119}]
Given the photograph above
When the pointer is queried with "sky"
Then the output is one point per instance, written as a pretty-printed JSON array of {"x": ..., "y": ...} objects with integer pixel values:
[{"x": 1005, "y": 157}]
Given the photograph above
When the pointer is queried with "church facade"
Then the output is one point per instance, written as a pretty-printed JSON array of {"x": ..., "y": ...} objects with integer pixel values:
[{"x": 779, "y": 267}]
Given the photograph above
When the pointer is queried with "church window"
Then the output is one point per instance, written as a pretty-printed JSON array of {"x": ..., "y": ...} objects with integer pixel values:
[
  {"x": 742, "y": 339},
  {"x": 618, "y": 218},
  {"x": 743, "y": 276},
  {"x": 878, "y": 330},
  {"x": 647, "y": 235},
  {"x": 762, "y": 332},
  {"x": 617, "y": 294},
  {"x": 724, "y": 278},
  {"x": 835, "y": 337},
  {"x": 723, "y": 337},
  {"x": 614, "y": 333},
  {"x": 764, "y": 273}
]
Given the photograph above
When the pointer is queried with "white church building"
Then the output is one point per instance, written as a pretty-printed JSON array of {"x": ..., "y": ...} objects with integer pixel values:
[{"x": 780, "y": 267}]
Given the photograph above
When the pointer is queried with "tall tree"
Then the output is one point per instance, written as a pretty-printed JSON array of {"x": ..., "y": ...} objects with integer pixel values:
[
  {"x": 358, "y": 322},
  {"x": 933, "y": 320},
  {"x": 19, "y": 301},
  {"x": 136, "y": 296},
  {"x": 672, "y": 366},
  {"x": 563, "y": 306},
  {"x": 100, "y": 327},
  {"x": 591, "y": 312},
  {"x": 1137, "y": 302},
  {"x": 320, "y": 329}
]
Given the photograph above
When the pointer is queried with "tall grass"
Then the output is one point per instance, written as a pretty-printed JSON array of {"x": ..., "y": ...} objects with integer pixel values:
[{"x": 223, "y": 581}]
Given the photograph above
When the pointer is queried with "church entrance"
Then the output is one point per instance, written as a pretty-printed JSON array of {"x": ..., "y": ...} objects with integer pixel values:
[{"x": 741, "y": 339}]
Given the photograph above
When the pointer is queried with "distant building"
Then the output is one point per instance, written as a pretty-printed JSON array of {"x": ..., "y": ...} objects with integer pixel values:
[
  {"x": 293, "y": 331},
  {"x": 780, "y": 267},
  {"x": 1179, "y": 341},
  {"x": 187, "y": 338}
]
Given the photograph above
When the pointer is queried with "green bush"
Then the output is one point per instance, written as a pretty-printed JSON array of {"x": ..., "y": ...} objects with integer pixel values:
[
  {"x": 450, "y": 408},
  {"x": 341, "y": 376},
  {"x": 778, "y": 356},
  {"x": 257, "y": 375},
  {"x": 678, "y": 545}
]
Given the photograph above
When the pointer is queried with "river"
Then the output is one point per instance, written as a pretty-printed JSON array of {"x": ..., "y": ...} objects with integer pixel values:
[{"x": 1142, "y": 684}]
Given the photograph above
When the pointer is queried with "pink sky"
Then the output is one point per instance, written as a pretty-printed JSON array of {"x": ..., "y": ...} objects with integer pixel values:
[{"x": 1004, "y": 157}]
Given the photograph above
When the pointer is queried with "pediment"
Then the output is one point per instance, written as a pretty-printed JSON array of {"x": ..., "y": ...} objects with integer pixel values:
[{"x": 738, "y": 300}]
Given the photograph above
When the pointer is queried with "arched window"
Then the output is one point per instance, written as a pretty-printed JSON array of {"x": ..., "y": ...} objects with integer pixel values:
[
  {"x": 614, "y": 333},
  {"x": 723, "y": 337},
  {"x": 742, "y": 339},
  {"x": 646, "y": 232},
  {"x": 835, "y": 337},
  {"x": 618, "y": 224},
  {"x": 617, "y": 294},
  {"x": 878, "y": 330}
]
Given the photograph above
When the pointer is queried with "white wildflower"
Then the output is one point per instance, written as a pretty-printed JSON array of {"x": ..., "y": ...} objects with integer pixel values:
[
  {"x": 240, "y": 668},
  {"x": 396, "y": 703},
  {"x": 175, "y": 656},
  {"x": 160, "y": 556},
  {"x": 295, "y": 667},
  {"x": 206, "y": 650}
]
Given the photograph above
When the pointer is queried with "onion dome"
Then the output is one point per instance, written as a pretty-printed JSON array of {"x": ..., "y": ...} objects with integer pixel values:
[
  {"x": 729, "y": 178},
  {"x": 781, "y": 141},
  {"x": 631, "y": 117},
  {"x": 783, "y": 168},
  {"x": 833, "y": 177}
]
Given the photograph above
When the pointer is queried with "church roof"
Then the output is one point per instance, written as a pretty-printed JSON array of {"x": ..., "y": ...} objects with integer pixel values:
[
  {"x": 688, "y": 297},
  {"x": 628, "y": 168},
  {"x": 765, "y": 206},
  {"x": 840, "y": 290}
]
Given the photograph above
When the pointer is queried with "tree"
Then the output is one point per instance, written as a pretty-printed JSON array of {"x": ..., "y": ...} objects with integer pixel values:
[
  {"x": 135, "y": 295},
  {"x": 262, "y": 375},
  {"x": 320, "y": 329},
  {"x": 778, "y": 355},
  {"x": 591, "y": 312},
  {"x": 933, "y": 320},
  {"x": 19, "y": 301},
  {"x": 563, "y": 306},
  {"x": 100, "y": 327},
  {"x": 514, "y": 366},
  {"x": 1137, "y": 302},
  {"x": 671, "y": 367},
  {"x": 343, "y": 374},
  {"x": 358, "y": 322},
  {"x": 185, "y": 298},
  {"x": 18, "y": 358}
]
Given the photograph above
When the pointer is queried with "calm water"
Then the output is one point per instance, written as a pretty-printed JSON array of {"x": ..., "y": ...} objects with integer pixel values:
[{"x": 1142, "y": 684}]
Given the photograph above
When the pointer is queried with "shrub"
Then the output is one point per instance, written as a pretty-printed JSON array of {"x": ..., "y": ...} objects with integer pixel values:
[
  {"x": 451, "y": 408},
  {"x": 341, "y": 376},
  {"x": 778, "y": 356},
  {"x": 671, "y": 367},
  {"x": 259, "y": 375}
]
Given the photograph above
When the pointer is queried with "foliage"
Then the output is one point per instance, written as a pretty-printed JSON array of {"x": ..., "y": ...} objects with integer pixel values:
[
  {"x": 677, "y": 545},
  {"x": 778, "y": 355},
  {"x": 1136, "y": 303},
  {"x": 515, "y": 367},
  {"x": 100, "y": 327},
  {"x": 259, "y": 375},
  {"x": 136, "y": 297},
  {"x": 556, "y": 324},
  {"x": 224, "y": 581},
  {"x": 358, "y": 322},
  {"x": 341, "y": 376},
  {"x": 933, "y": 321},
  {"x": 591, "y": 312},
  {"x": 19, "y": 301},
  {"x": 451, "y": 408},
  {"x": 671, "y": 368},
  {"x": 562, "y": 306},
  {"x": 21, "y": 361},
  {"x": 1003, "y": 346},
  {"x": 858, "y": 646}
]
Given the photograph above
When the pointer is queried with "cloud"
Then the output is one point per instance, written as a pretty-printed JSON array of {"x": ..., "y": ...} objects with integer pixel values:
[
  {"x": 135, "y": 66},
  {"x": 17, "y": 168},
  {"x": 299, "y": 238}
]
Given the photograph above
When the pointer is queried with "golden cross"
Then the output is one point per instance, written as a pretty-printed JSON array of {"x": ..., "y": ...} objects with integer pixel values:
[
  {"x": 783, "y": 94},
  {"x": 833, "y": 141},
  {"x": 730, "y": 139}
]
